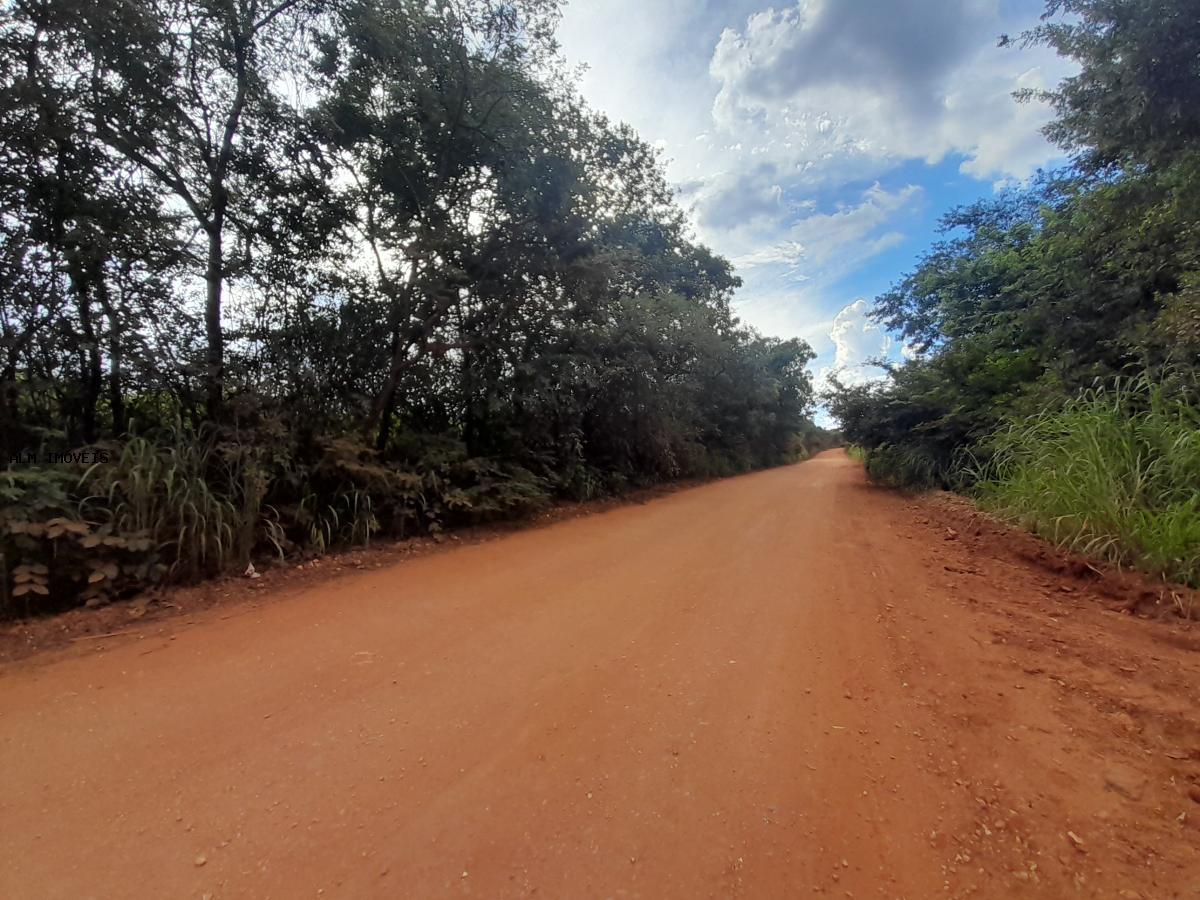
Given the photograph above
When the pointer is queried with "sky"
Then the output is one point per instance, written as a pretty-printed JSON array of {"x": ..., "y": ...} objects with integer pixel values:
[{"x": 816, "y": 143}]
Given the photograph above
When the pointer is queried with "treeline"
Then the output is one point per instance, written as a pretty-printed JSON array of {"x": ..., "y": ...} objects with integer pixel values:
[
  {"x": 1056, "y": 328},
  {"x": 307, "y": 271}
]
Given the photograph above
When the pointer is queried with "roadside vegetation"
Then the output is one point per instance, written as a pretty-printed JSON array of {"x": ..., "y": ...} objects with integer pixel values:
[
  {"x": 1056, "y": 328},
  {"x": 1112, "y": 473},
  {"x": 281, "y": 276}
]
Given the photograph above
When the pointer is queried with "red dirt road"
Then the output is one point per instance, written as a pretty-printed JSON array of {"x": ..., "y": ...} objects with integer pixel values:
[{"x": 772, "y": 686}]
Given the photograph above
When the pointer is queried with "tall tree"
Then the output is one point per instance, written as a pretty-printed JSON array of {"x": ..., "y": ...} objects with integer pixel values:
[
  {"x": 189, "y": 92},
  {"x": 432, "y": 108},
  {"x": 75, "y": 217}
]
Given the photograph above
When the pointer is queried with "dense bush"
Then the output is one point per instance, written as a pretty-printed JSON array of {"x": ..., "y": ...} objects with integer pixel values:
[{"x": 181, "y": 506}]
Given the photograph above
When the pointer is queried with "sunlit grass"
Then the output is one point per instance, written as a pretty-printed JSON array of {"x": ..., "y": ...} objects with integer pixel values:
[{"x": 1113, "y": 474}]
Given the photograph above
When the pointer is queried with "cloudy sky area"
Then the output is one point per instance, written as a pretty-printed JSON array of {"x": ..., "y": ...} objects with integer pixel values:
[{"x": 817, "y": 142}]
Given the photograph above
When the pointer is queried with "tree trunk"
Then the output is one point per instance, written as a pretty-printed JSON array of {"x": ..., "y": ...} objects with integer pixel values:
[
  {"x": 116, "y": 400},
  {"x": 92, "y": 376},
  {"x": 380, "y": 419},
  {"x": 214, "y": 376},
  {"x": 11, "y": 432},
  {"x": 378, "y": 422}
]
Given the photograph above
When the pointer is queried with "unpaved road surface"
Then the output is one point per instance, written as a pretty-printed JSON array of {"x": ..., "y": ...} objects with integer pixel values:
[{"x": 773, "y": 686}]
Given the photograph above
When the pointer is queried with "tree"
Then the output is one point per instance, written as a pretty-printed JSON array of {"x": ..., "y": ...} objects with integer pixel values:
[
  {"x": 77, "y": 225},
  {"x": 1136, "y": 100},
  {"x": 431, "y": 109},
  {"x": 316, "y": 269},
  {"x": 188, "y": 92}
]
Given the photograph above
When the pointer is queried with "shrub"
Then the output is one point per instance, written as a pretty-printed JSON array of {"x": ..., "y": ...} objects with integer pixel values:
[
  {"x": 52, "y": 555},
  {"x": 178, "y": 493}
]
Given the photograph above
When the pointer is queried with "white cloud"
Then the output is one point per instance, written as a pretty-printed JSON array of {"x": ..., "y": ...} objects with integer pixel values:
[
  {"x": 856, "y": 340},
  {"x": 1005, "y": 137},
  {"x": 791, "y": 274},
  {"x": 829, "y": 236},
  {"x": 845, "y": 87},
  {"x": 647, "y": 64},
  {"x": 788, "y": 253},
  {"x": 813, "y": 244},
  {"x": 749, "y": 198},
  {"x": 902, "y": 49}
]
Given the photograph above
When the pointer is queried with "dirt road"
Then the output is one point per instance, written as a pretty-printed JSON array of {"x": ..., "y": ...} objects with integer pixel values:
[{"x": 773, "y": 686}]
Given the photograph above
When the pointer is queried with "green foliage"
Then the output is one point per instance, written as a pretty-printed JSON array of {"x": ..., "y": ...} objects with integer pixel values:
[
  {"x": 32, "y": 500},
  {"x": 176, "y": 493},
  {"x": 812, "y": 440},
  {"x": 178, "y": 506},
  {"x": 51, "y": 554},
  {"x": 1113, "y": 473},
  {"x": 1134, "y": 100},
  {"x": 904, "y": 466}
]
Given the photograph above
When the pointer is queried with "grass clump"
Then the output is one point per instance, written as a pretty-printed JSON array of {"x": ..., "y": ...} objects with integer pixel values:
[
  {"x": 1114, "y": 473},
  {"x": 169, "y": 492}
]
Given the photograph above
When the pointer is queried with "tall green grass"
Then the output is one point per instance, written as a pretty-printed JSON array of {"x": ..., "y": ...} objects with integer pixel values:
[
  {"x": 1114, "y": 474},
  {"x": 178, "y": 493}
]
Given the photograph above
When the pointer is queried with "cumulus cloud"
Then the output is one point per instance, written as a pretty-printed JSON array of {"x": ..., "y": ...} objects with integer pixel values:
[
  {"x": 903, "y": 49},
  {"x": 857, "y": 340},
  {"x": 774, "y": 115},
  {"x": 844, "y": 84},
  {"x": 787, "y": 253},
  {"x": 829, "y": 235},
  {"x": 791, "y": 273},
  {"x": 856, "y": 337}
]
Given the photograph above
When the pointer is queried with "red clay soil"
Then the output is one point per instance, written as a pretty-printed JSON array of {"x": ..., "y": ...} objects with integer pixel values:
[{"x": 773, "y": 686}]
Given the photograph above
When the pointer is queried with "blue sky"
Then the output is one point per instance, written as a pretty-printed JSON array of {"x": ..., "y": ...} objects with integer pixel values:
[{"x": 816, "y": 143}]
